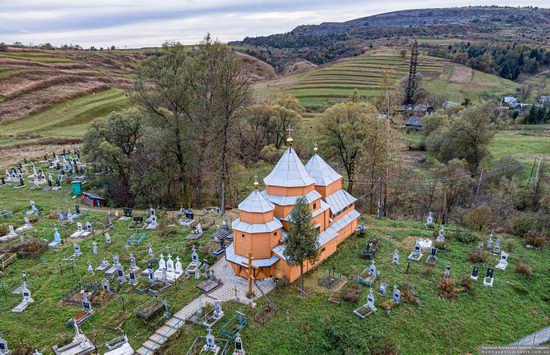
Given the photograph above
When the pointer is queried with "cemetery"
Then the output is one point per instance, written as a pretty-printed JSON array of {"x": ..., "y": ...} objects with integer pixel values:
[{"x": 121, "y": 279}]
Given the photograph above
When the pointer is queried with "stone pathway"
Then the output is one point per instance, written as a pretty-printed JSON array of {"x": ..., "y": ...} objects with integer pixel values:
[
  {"x": 537, "y": 338},
  {"x": 233, "y": 289}
]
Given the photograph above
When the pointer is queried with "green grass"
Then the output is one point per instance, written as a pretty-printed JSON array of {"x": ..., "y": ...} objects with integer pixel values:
[
  {"x": 482, "y": 87},
  {"x": 6, "y": 73},
  {"x": 43, "y": 324},
  {"x": 46, "y": 58},
  {"x": 523, "y": 146},
  {"x": 67, "y": 119},
  {"x": 515, "y": 307},
  {"x": 330, "y": 84}
]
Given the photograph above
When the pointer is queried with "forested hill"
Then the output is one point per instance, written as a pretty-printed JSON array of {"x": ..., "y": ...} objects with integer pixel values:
[{"x": 328, "y": 41}]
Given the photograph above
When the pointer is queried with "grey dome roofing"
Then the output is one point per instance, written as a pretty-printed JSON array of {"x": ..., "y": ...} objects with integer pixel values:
[
  {"x": 319, "y": 170},
  {"x": 289, "y": 172},
  {"x": 256, "y": 203}
]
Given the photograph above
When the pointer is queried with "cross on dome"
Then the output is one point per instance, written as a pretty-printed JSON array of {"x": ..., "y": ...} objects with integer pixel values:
[{"x": 289, "y": 140}]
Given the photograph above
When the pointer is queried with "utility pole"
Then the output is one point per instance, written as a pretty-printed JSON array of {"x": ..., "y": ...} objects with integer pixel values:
[
  {"x": 537, "y": 177},
  {"x": 379, "y": 209},
  {"x": 532, "y": 170},
  {"x": 444, "y": 217},
  {"x": 411, "y": 82}
]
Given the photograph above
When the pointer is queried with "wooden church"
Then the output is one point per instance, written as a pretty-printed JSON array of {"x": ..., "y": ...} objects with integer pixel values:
[{"x": 264, "y": 215}]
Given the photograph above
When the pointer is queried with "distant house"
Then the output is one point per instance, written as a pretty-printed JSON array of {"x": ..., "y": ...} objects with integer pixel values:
[
  {"x": 449, "y": 104},
  {"x": 413, "y": 123},
  {"x": 416, "y": 110},
  {"x": 544, "y": 100},
  {"x": 510, "y": 101},
  {"x": 93, "y": 200},
  {"x": 513, "y": 103}
]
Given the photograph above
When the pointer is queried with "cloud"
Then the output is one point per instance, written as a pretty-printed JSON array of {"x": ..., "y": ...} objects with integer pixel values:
[{"x": 140, "y": 23}]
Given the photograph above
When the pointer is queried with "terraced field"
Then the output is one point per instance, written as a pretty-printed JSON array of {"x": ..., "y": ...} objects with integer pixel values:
[
  {"x": 327, "y": 85},
  {"x": 63, "y": 123}
]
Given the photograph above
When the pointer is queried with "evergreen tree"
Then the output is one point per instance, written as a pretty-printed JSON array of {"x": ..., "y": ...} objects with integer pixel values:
[{"x": 301, "y": 244}]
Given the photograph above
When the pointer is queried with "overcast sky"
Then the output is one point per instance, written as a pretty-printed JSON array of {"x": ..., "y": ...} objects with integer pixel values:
[{"x": 141, "y": 23}]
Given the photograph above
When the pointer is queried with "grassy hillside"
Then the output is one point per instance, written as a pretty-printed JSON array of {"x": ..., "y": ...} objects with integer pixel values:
[
  {"x": 322, "y": 87},
  {"x": 44, "y": 323},
  {"x": 513, "y": 308},
  {"x": 48, "y": 97}
]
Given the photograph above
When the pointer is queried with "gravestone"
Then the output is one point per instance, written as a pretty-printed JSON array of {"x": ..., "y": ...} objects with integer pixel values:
[
  {"x": 170, "y": 264},
  {"x": 447, "y": 271},
  {"x": 475, "y": 271},
  {"x": 210, "y": 345},
  {"x": 150, "y": 274},
  {"x": 86, "y": 304},
  {"x": 103, "y": 266},
  {"x": 76, "y": 249},
  {"x": 441, "y": 236},
  {"x": 27, "y": 299},
  {"x": 372, "y": 269},
  {"x": 503, "y": 262},
  {"x": 70, "y": 217},
  {"x": 120, "y": 273},
  {"x": 90, "y": 267},
  {"x": 370, "y": 301},
  {"x": 133, "y": 277},
  {"x": 108, "y": 240},
  {"x": 218, "y": 312},
  {"x": 489, "y": 279},
  {"x": 150, "y": 250},
  {"x": 430, "y": 220},
  {"x": 239, "y": 348},
  {"x": 56, "y": 239},
  {"x": 432, "y": 259},
  {"x": 490, "y": 241},
  {"x": 106, "y": 285},
  {"x": 496, "y": 249},
  {"x": 89, "y": 228},
  {"x": 162, "y": 263},
  {"x": 94, "y": 247},
  {"x": 4, "y": 350},
  {"x": 396, "y": 294},
  {"x": 416, "y": 254},
  {"x": 179, "y": 267},
  {"x": 79, "y": 231},
  {"x": 395, "y": 257},
  {"x": 382, "y": 289}
]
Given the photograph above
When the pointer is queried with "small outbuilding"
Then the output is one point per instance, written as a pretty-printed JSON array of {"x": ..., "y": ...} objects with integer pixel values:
[
  {"x": 413, "y": 123},
  {"x": 93, "y": 200}
]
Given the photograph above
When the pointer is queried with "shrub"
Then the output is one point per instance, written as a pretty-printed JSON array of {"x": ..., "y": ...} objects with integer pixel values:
[
  {"x": 467, "y": 237},
  {"x": 478, "y": 217},
  {"x": 523, "y": 268},
  {"x": 446, "y": 288},
  {"x": 466, "y": 284},
  {"x": 535, "y": 239},
  {"x": 269, "y": 153},
  {"x": 521, "y": 226},
  {"x": 352, "y": 293},
  {"x": 167, "y": 231},
  {"x": 408, "y": 295},
  {"x": 509, "y": 246},
  {"x": 3, "y": 229},
  {"x": 478, "y": 255}
]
